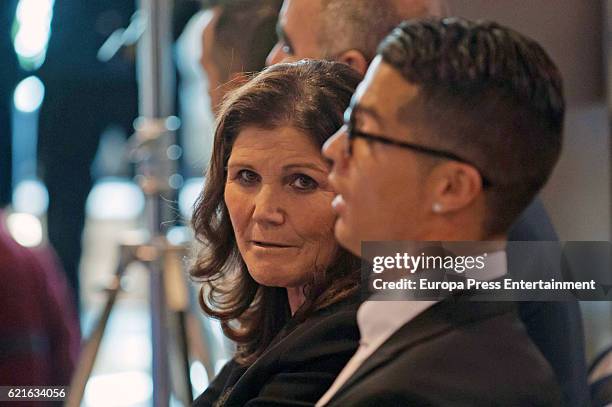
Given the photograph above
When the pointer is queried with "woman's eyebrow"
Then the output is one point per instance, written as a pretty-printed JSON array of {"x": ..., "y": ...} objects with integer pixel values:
[
  {"x": 239, "y": 164},
  {"x": 288, "y": 167},
  {"x": 312, "y": 166}
]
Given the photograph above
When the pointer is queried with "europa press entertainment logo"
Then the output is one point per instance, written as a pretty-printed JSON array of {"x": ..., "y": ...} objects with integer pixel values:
[{"x": 435, "y": 270}]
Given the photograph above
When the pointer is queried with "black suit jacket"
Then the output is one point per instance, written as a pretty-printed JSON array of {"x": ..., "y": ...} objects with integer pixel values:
[
  {"x": 297, "y": 368},
  {"x": 455, "y": 354},
  {"x": 554, "y": 327}
]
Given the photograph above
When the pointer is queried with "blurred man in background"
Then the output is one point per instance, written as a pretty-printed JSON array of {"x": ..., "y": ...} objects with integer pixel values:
[
  {"x": 84, "y": 96},
  {"x": 235, "y": 42},
  {"x": 342, "y": 30},
  {"x": 349, "y": 31}
]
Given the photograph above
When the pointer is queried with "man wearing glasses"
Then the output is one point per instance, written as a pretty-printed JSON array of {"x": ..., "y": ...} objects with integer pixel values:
[
  {"x": 455, "y": 128},
  {"x": 348, "y": 31}
]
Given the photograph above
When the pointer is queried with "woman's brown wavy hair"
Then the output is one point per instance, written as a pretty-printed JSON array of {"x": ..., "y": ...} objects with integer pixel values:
[{"x": 309, "y": 96}]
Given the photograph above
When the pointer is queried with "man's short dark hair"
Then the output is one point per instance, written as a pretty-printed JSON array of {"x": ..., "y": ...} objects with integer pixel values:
[
  {"x": 488, "y": 94},
  {"x": 244, "y": 35}
]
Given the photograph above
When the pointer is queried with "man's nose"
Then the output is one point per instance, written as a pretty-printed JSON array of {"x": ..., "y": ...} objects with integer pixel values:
[
  {"x": 268, "y": 207},
  {"x": 335, "y": 147},
  {"x": 276, "y": 55}
]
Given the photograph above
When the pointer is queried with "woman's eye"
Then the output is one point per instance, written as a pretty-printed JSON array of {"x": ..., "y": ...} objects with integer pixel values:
[
  {"x": 304, "y": 182},
  {"x": 247, "y": 177}
]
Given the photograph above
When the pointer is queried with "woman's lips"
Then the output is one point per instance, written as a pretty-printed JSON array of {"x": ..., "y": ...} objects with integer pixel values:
[
  {"x": 260, "y": 248},
  {"x": 270, "y": 245}
]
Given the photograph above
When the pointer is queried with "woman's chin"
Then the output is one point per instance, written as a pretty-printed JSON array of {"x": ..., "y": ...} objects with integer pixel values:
[{"x": 270, "y": 279}]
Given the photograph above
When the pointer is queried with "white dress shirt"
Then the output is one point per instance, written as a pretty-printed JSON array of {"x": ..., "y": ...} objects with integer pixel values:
[{"x": 378, "y": 320}]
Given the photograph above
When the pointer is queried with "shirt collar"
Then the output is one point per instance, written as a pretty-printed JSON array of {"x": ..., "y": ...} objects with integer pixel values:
[{"x": 378, "y": 320}]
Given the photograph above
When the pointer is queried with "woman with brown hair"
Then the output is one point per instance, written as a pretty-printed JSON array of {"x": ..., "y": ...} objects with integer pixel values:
[{"x": 271, "y": 269}]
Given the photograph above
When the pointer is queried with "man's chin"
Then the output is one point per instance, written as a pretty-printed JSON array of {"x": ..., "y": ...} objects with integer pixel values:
[{"x": 346, "y": 238}]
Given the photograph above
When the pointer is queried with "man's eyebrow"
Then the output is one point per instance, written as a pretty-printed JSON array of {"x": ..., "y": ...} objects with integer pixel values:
[{"x": 365, "y": 110}]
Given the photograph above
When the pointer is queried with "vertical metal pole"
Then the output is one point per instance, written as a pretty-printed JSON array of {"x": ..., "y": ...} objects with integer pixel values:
[
  {"x": 155, "y": 85},
  {"x": 155, "y": 69}
]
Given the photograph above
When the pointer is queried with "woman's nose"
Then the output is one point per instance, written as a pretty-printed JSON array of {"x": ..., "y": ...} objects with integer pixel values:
[{"x": 268, "y": 206}]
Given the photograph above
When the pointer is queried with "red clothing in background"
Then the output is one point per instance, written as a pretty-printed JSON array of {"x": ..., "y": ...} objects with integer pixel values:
[{"x": 39, "y": 330}]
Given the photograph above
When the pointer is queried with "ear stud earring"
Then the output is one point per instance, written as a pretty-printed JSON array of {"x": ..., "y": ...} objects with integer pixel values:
[{"x": 437, "y": 207}]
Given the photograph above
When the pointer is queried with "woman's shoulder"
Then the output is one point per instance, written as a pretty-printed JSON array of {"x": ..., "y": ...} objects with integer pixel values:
[
  {"x": 300, "y": 364},
  {"x": 333, "y": 325},
  {"x": 299, "y": 367},
  {"x": 221, "y": 386}
]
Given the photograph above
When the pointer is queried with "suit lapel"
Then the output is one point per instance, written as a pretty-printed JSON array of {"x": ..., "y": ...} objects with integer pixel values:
[{"x": 442, "y": 317}]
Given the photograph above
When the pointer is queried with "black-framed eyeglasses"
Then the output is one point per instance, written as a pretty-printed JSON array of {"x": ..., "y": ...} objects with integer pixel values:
[{"x": 352, "y": 134}]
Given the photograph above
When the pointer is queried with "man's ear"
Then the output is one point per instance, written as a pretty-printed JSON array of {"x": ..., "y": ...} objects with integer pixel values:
[
  {"x": 455, "y": 186},
  {"x": 355, "y": 59}
]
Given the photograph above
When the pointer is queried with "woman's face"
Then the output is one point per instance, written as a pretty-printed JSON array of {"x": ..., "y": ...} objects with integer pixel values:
[{"x": 279, "y": 201}]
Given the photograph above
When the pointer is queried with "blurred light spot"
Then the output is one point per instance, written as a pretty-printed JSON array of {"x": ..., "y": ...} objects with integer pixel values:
[
  {"x": 219, "y": 365},
  {"x": 34, "y": 11},
  {"x": 138, "y": 123},
  {"x": 173, "y": 123},
  {"x": 29, "y": 94},
  {"x": 111, "y": 46},
  {"x": 178, "y": 235},
  {"x": 199, "y": 377},
  {"x": 132, "y": 350},
  {"x": 33, "y": 22},
  {"x": 174, "y": 152},
  {"x": 115, "y": 199},
  {"x": 31, "y": 196},
  {"x": 188, "y": 195},
  {"x": 25, "y": 228},
  {"x": 175, "y": 181},
  {"x": 31, "y": 43},
  {"x": 175, "y": 402},
  {"x": 120, "y": 37},
  {"x": 118, "y": 389}
]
